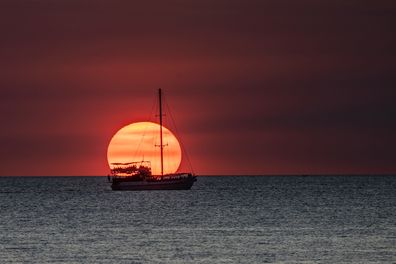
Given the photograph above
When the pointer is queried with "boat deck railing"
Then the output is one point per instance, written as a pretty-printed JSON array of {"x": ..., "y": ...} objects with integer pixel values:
[{"x": 173, "y": 176}]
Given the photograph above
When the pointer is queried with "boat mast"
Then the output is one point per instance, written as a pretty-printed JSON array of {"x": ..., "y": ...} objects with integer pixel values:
[{"x": 161, "y": 144}]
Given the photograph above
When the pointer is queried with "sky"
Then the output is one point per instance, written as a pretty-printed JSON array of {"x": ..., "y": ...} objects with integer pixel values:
[{"x": 256, "y": 87}]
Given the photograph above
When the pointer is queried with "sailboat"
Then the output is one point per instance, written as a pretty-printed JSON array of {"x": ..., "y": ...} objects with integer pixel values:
[{"x": 135, "y": 176}]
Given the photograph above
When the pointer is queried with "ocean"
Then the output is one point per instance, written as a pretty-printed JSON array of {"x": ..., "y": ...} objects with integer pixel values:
[{"x": 241, "y": 219}]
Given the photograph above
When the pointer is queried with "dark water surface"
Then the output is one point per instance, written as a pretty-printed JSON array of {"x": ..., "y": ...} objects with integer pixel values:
[{"x": 275, "y": 219}]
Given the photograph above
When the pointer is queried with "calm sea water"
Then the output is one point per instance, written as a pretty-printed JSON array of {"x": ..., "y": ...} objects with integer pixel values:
[{"x": 267, "y": 219}]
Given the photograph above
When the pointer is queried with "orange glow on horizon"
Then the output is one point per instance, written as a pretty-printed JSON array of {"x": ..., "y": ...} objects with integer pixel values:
[{"x": 139, "y": 141}]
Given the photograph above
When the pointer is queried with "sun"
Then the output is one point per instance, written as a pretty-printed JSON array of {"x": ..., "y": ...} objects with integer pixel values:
[{"x": 140, "y": 141}]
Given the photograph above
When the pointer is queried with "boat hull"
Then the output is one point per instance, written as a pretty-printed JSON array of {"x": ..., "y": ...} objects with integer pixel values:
[{"x": 177, "y": 184}]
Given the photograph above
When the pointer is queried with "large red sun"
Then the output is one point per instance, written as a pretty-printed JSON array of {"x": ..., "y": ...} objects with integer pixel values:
[{"x": 139, "y": 141}]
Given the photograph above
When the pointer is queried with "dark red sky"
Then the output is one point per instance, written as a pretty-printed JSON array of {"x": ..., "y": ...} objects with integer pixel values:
[{"x": 257, "y": 87}]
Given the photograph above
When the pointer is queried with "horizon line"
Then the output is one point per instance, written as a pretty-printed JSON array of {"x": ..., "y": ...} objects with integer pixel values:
[{"x": 234, "y": 175}]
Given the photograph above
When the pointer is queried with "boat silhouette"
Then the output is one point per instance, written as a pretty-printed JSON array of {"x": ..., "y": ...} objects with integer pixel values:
[{"x": 137, "y": 175}]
